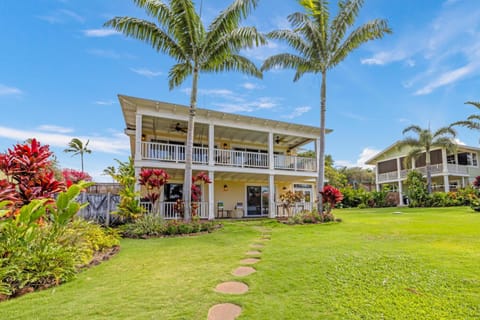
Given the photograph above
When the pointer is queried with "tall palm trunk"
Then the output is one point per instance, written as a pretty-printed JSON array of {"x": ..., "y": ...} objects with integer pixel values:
[
  {"x": 187, "y": 183},
  {"x": 429, "y": 173},
  {"x": 321, "y": 160},
  {"x": 81, "y": 159}
]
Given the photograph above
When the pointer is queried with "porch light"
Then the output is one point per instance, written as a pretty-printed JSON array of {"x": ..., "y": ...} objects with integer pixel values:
[
  {"x": 144, "y": 137},
  {"x": 225, "y": 187}
]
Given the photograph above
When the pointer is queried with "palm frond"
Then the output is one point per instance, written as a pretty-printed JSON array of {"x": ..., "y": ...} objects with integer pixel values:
[
  {"x": 232, "y": 42},
  {"x": 188, "y": 28},
  {"x": 445, "y": 131},
  {"x": 283, "y": 60},
  {"x": 445, "y": 142},
  {"x": 371, "y": 30},
  {"x": 228, "y": 20},
  {"x": 158, "y": 10},
  {"x": 293, "y": 39},
  {"x": 346, "y": 17},
  {"x": 467, "y": 124},
  {"x": 234, "y": 62},
  {"x": 408, "y": 142},
  {"x": 473, "y": 103},
  {"x": 311, "y": 31},
  {"x": 413, "y": 128},
  {"x": 148, "y": 32},
  {"x": 178, "y": 73}
]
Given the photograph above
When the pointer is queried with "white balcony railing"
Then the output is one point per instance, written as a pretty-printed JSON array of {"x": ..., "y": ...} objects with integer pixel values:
[
  {"x": 294, "y": 163},
  {"x": 241, "y": 158},
  {"x": 167, "y": 209},
  {"x": 434, "y": 170},
  {"x": 232, "y": 158},
  {"x": 171, "y": 152},
  {"x": 284, "y": 211}
]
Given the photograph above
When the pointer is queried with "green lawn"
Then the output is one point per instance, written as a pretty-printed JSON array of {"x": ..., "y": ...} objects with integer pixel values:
[{"x": 421, "y": 264}]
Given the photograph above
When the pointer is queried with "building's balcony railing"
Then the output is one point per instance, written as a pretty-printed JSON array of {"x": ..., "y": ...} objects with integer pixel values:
[
  {"x": 284, "y": 211},
  {"x": 231, "y": 158},
  {"x": 167, "y": 209},
  {"x": 294, "y": 163},
  {"x": 435, "y": 169}
]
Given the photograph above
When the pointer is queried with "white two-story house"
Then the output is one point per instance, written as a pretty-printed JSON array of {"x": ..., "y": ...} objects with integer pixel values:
[
  {"x": 251, "y": 161},
  {"x": 450, "y": 171}
]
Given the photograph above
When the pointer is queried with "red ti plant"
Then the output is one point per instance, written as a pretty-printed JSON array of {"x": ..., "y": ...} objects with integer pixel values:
[
  {"x": 201, "y": 177},
  {"x": 72, "y": 176},
  {"x": 153, "y": 180},
  {"x": 28, "y": 171},
  {"x": 476, "y": 182},
  {"x": 330, "y": 196}
]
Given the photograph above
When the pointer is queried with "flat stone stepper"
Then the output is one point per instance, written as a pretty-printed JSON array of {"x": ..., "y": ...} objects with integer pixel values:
[
  {"x": 232, "y": 287},
  {"x": 243, "y": 271},
  {"x": 249, "y": 261},
  {"x": 224, "y": 311}
]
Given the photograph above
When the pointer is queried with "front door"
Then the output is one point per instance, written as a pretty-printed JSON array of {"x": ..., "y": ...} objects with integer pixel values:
[{"x": 257, "y": 200}]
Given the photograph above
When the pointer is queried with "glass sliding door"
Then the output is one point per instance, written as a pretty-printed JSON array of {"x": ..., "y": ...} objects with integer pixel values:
[{"x": 257, "y": 200}]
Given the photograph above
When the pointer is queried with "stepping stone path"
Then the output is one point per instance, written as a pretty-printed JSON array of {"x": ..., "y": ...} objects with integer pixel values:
[
  {"x": 224, "y": 311},
  {"x": 232, "y": 287},
  {"x": 249, "y": 261},
  {"x": 230, "y": 311},
  {"x": 243, "y": 271}
]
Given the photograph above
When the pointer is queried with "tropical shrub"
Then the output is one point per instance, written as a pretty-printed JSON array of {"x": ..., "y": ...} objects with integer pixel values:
[
  {"x": 153, "y": 180},
  {"x": 476, "y": 182},
  {"x": 149, "y": 226},
  {"x": 196, "y": 195},
  {"x": 417, "y": 189},
  {"x": 129, "y": 207},
  {"x": 330, "y": 197},
  {"x": 29, "y": 174},
  {"x": 72, "y": 176}
]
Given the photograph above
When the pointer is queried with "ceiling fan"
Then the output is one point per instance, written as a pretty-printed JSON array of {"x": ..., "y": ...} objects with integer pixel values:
[{"x": 178, "y": 128}]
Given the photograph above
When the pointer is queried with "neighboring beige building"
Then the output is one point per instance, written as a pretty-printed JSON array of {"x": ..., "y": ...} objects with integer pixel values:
[
  {"x": 250, "y": 160},
  {"x": 449, "y": 171}
]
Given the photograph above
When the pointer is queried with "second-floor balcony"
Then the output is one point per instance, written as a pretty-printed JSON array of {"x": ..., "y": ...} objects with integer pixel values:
[
  {"x": 435, "y": 169},
  {"x": 231, "y": 158}
]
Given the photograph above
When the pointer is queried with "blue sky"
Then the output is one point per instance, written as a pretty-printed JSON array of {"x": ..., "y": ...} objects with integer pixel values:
[{"x": 61, "y": 73}]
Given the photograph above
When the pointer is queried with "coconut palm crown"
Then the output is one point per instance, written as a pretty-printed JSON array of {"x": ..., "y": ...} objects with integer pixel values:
[
  {"x": 76, "y": 147},
  {"x": 321, "y": 43},
  {"x": 178, "y": 31},
  {"x": 473, "y": 121},
  {"x": 425, "y": 141}
]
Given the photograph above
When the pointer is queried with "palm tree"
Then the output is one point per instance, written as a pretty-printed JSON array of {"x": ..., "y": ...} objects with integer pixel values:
[
  {"x": 425, "y": 141},
  {"x": 473, "y": 121},
  {"x": 76, "y": 146},
  {"x": 179, "y": 32},
  {"x": 322, "y": 44}
]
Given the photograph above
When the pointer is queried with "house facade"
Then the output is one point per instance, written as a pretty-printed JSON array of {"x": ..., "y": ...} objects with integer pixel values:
[
  {"x": 251, "y": 161},
  {"x": 450, "y": 171}
]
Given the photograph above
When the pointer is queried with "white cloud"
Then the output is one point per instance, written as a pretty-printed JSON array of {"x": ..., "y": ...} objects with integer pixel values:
[
  {"x": 53, "y": 128},
  {"x": 247, "y": 106},
  {"x": 111, "y": 54},
  {"x": 6, "y": 90},
  {"x": 385, "y": 57},
  {"x": 100, "y": 32},
  {"x": 61, "y": 16},
  {"x": 366, "y": 154},
  {"x": 117, "y": 143},
  {"x": 105, "y": 102},
  {"x": 297, "y": 112},
  {"x": 263, "y": 52},
  {"x": 146, "y": 72},
  {"x": 250, "y": 86},
  {"x": 447, "y": 78},
  {"x": 460, "y": 142}
]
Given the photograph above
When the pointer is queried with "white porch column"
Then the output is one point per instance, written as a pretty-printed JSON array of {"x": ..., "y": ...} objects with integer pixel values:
[
  {"x": 444, "y": 161},
  {"x": 377, "y": 185},
  {"x": 271, "y": 196},
  {"x": 137, "y": 175},
  {"x": 138, "y": 137},
  {"x": 211, "y": 146},
  {"x": 270, "y": 151},
  {"x": 211, "y": 198},
  {"x": 400, "y": 193},
  {"x": 446, "y": 183},
  {"x": 399, "y": 168}
]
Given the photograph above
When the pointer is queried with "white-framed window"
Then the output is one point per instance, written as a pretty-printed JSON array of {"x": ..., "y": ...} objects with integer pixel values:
[{"x": 468, "y": 159}]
